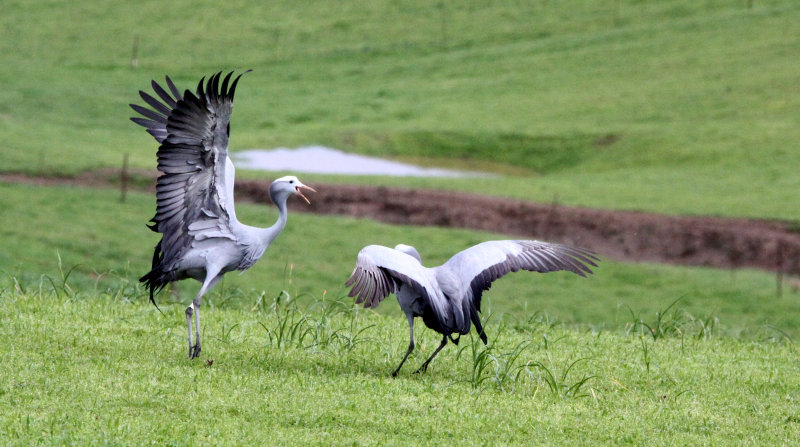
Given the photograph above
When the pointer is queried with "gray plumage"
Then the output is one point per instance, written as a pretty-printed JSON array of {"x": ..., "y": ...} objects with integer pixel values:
[
  {"x": 201, "y": 237},
  {"x": 448, "y": 297}
]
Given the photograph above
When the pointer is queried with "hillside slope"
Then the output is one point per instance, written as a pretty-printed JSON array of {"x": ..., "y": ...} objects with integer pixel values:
[{"x": 675, "y": 106}]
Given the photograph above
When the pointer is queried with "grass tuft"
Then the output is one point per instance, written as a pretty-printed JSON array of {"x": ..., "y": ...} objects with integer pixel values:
[
  {"x": 673, "y": 321},
  {"x": 557, "y": 382}
]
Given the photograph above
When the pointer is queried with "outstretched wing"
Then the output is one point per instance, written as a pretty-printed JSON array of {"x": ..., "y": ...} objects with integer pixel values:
[
  {"x": 193, "y": 129},
  {"x": 481, "y": 264},
  {"x": 156, "y": 119},
  {"x": 380, "y": 271}
]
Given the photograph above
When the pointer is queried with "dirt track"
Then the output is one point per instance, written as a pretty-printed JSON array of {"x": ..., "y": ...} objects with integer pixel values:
[{"x": 620, "y": 235}]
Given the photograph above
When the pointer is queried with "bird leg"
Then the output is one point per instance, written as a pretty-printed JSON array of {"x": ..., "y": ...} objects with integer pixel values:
[
  {"x": 196, "y": 305},
  {"x": 424, "y": 366},
  {"x": 410, "y": 344},
  {"x": 194, "y": 309},
  {"x": 211, "y": 278},
  {"x": 189, "y": 325}
]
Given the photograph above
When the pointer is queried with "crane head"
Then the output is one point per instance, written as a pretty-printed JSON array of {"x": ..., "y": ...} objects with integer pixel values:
[
  {"x": 293, "y": 185},
  {"x": 409, "y": 250}
]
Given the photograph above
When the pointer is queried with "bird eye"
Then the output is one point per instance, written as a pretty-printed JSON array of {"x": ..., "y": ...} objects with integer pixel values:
[{"x": 291, "y": 182}]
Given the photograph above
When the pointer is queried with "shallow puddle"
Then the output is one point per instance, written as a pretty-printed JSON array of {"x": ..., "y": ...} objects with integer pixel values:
[{"x": 324, "y": 160}]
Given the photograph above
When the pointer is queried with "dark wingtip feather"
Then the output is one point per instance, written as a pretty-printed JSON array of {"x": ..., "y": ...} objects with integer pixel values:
[
  {"x": 175, "y": 92},
  {"x": 200, "y": 93},
  {"x": 141, "y": 121},
  {"x": 350, "y": 280},
  {"x": 154, "y": 103},
  {"x": 169, "y": 100},
  {"x": 224, "y": 90},
  {"x": 147, "y": 113},
  {"x": 212, "y": 86},
  {"x": 233, "y": 85}
]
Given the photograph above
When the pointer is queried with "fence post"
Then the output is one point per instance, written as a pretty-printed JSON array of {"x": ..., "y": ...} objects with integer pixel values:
[
  {"x": 779, "y": 268},
  {"x": 123, "y": 178},
  {"x": 135, "y": 52}
]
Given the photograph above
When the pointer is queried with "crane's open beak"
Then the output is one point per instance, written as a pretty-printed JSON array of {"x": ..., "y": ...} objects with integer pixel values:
[{"x": 300, "y": 193}]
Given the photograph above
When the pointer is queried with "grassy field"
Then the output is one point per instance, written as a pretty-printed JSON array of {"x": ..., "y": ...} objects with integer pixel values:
[
  {"x": 316, "y": 254},
  {"x": 674, "y": 106},
  {"x": 104, "y": 369}
]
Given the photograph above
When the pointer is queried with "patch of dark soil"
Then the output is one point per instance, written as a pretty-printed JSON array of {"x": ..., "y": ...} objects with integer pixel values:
[
  {"x": 620, "y": 235},
  {"x": 607, "y": 140}
]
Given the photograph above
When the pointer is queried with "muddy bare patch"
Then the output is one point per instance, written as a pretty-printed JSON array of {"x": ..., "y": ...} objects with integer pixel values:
[{"x": 621, "y": 235}]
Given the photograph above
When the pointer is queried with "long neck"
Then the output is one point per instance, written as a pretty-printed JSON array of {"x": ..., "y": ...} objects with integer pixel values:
[{"x": 269, "y": 234}]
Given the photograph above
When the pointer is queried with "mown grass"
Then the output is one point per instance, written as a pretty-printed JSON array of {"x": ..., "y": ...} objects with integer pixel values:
[
  {"x": 104, "y": 368},
  {"x": 674, "y": 106}
]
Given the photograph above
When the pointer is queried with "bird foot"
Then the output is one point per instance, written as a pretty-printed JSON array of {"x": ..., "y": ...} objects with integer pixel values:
[
  {"x": 194, "y": 351},
  {"x": 421, "y": 369}
]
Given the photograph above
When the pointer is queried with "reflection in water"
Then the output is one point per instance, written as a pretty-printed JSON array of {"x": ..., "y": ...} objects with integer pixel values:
[{"x": 324, "y": 160}]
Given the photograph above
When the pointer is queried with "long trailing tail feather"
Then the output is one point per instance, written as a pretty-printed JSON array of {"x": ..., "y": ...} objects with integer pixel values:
[
  {"x": 476, "y": 320},
  {"x": 154, "y": 279}
]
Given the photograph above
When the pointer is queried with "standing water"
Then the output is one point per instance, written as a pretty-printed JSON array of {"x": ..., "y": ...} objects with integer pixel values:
[{"x": 324, "y": 160}]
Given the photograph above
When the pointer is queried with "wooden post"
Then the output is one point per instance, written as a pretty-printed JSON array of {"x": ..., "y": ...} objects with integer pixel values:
[
  {"x": 443, "y": 24},
  {"x": 779, "y": 269},
  {"x": 123, "y": 178},
  {"x": 135, "y": 52}
]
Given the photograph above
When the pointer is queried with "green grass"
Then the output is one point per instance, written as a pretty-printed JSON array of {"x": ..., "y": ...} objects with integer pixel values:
[
  {"x": 316, "y": 254},
  {"x": 102, "y": 368},
  {"x": 675, "y": 106}
]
